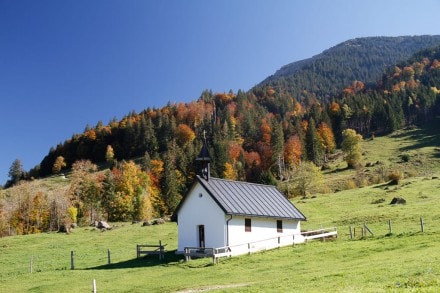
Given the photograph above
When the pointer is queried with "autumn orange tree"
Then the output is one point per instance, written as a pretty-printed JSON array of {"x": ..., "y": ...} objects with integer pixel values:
[
  {"x": 184, "y": 134},
  {"x": 234, "y": 165},
  {"x": 264, "y": 145},
  {"x": 327, "y": 138},
  {"x": 292, "y": 151},
  {"x": 58, "y": 165},
  {"x": 157, "y": 202},
  {"x": 39, "y": 214}
]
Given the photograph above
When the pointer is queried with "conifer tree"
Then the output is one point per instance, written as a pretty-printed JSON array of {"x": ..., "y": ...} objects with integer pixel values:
[
  {"x": 171, "y": 184},
  {"x": 16, "y": 171},
  {"x": 108, "y": 195},
  {"x": 277, "y": 142},
  {"x": 314, "y": 148}
]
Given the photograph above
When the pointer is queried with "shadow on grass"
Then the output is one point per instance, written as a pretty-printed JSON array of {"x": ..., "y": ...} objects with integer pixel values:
[
  {"x": 146, "y": 261},
  {"x": 426, "y": 136},
  {"x": 338, "y": 170}
]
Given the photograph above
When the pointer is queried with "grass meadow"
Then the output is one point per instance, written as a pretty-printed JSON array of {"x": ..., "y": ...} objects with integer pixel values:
[{"x": 407, "y": 260}]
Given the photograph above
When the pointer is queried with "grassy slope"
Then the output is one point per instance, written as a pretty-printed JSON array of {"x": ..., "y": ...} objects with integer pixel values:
[{"x": 408, "y": 259}]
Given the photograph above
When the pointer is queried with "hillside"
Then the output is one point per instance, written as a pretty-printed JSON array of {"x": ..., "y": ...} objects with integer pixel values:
[
  {"x": 406, "y": 259},
  {"x": 141, "y": 166},
  {"x": 257, "y": 124},
  {"x": 363, "y": 59}
]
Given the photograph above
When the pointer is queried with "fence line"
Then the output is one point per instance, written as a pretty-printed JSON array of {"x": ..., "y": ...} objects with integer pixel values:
[
  {"x": 62, "y": 260},
  {"x": 260, "y": 245},
  {"x": 86, "y": 257},
  {"x": 364, "y": 229}
]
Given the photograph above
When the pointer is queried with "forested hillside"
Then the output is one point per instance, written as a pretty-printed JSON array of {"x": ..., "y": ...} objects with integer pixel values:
[
  {"x": 147, "y": 159},
  {"x": 364, "y": 59}
]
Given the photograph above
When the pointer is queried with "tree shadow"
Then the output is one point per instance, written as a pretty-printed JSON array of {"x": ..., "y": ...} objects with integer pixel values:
[
  {"x": 146, "y": 261},
  {"x": 426, "y": 136},
  {"x": 337, "y": 170}
]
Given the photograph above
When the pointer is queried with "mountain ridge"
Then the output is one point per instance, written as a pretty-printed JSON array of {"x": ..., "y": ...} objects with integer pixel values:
[{"x": 363, "y": 59}]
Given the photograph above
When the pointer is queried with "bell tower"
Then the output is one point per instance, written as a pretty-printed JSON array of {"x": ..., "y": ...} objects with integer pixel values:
[{"x": 203, "y": 161}]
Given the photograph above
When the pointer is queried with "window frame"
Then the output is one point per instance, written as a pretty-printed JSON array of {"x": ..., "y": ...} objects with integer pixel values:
[
  {"x": 280, "y": 226},
  {"x": 247, "y": 225}
]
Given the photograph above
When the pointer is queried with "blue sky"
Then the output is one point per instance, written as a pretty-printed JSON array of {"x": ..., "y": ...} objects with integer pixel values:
[{"x": 66, "y": 64}]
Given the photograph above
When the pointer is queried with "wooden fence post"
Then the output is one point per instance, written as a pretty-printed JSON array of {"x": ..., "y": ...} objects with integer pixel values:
[
  {"x": 390, "y": 228},
  {"x": 108, "y": 257},
  {"x": 351, "y": 233},
  {"x": 214, "y": 259},
  {"x": 72, "y": 263},
  {"x": 161, "y": 251},
  {"x": 422, "y": 225},
  {"x": 368, "y": 229}
]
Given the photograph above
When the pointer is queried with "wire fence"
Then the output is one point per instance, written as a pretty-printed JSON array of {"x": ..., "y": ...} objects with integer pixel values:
[
  {"x": 392, "y": 227},
  {"x": 56, "y": 260},
  {"x": 53, "y": 258}
]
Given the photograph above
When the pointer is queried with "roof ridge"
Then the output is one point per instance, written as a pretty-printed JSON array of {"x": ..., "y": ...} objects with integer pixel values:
[{"x": 238, "y": 181}]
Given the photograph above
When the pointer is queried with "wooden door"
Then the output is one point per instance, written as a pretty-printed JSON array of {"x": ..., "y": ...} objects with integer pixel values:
[{"x": 202, "y": 236}]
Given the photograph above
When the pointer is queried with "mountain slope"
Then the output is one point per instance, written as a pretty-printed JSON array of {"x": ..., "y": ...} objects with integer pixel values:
[{"x": 362, "y": 59}]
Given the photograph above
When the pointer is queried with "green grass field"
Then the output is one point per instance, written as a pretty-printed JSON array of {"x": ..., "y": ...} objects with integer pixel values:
[{"x": 405, "y": 261}]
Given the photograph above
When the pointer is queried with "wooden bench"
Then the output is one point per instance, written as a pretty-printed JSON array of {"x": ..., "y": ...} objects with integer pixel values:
[{"x": 151, "y": 249}]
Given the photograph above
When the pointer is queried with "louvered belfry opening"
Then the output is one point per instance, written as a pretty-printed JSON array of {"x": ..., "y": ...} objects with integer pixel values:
[{"x": 203, "y": 162}]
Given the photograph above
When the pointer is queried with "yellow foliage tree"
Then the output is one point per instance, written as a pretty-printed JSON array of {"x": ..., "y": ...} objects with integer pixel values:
[
  {"x": 132, "y": 200},
  {"x": 352, "y": 147},
  {"x": 109, "y": 154},
  {"x": 230, "y": 172}
]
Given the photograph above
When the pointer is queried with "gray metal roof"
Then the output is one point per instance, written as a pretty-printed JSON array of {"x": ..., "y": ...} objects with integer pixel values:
[{"x": 250, "y": 199}]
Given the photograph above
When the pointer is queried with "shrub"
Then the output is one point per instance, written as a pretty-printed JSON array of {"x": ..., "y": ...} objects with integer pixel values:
[
  {"x": 395, "y": 177},
  {"x": 350, "y": 184},
  {"x": 405, "y": 157},
  {"x": 361, "y": 178},
  {"x": 326, "y": 189},
  {"x": 362, "y": 182},
  {"x": 73, "y": 213},
  {"x": 380, "y": 175},
  {"x": 377, "y": 179},
  {"x": 410, "y": 173}
]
